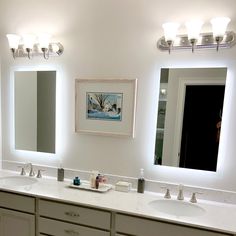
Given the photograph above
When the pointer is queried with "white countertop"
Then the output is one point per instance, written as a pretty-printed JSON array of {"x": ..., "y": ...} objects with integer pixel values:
[{"x": 218, "y": 216}]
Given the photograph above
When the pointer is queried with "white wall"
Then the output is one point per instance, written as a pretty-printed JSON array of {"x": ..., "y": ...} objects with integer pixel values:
[
  {"x": 0, "y": 116},
  {"x": 116, "y": 39}
]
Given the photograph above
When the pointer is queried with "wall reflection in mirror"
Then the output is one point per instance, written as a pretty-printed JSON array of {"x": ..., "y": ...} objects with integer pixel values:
[
  {"x": 35, "y": 110},
  {"x": 189, "y": 117}
]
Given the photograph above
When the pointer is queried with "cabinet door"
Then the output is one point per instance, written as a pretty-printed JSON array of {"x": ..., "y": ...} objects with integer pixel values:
[
  {"x": 143, "y": 227},
  {"x": 14, "y": 223}
]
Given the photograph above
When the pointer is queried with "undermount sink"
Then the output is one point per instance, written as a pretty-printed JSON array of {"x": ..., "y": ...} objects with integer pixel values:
[
  {"x": 17, "y": 181},
  {"x": 177, "y": 208}
]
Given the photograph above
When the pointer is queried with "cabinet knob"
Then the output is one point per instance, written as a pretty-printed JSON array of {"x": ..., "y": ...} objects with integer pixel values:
[{"x": 72, "y": 214}]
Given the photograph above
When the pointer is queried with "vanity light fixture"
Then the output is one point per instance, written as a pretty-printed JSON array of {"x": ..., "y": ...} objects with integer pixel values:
[
  {"x": 29, "y": 45},
  {"x": 218, "y": 38},
  {"x": 44, "y": 41},
  {"x": 194, "y": 29},
  {"x": 219, "y": 26},
  {"x": 28, "y": 40},
  {"x": 14, "y": 41},
  {"x": 170, "y": 31}
]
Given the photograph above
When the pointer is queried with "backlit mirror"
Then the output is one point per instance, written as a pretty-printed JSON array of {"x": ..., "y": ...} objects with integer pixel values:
[
  {"x": 35, "y": 110},
  {"x": 189, "y": 117}
]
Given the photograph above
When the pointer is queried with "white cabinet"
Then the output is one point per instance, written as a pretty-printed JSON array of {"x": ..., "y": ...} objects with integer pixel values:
[
  {"x": 60, "y": 219},
  {"x": 14, "y": 223},
  {"x": 60, "y": 228},
  {"x": 18, "y": 219},
  {"x": 144, "y": 227},
  {"x": 24, "y": 216}
]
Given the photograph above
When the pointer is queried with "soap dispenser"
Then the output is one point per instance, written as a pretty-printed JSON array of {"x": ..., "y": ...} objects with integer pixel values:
[{"x": 141, "y": 182}]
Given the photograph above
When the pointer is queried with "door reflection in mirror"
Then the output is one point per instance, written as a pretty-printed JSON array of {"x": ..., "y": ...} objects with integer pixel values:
[{"x": 189, "y": 117}]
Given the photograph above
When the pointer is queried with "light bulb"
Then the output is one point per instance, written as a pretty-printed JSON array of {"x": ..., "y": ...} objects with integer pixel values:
[
  {"x": 219, "y": 26},
  {"x": 13, "y": 40},
  {"x": 170, "y": 30},
  {"x": 194, "y": 28},
  {"x": 29, "y": 41}
]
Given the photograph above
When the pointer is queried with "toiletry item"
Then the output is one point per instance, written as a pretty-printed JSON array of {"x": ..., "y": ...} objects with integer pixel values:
[
  {"x": 60, "y": 174},
  {"x": 93, "y": 176},
  {"x": 141, "y": 182},
  {"x": 97, "y": 182},
  {"x": 102, "y": 179},
  {"x": 76, "y": 181},
  {"x": 123, "y": 186}
]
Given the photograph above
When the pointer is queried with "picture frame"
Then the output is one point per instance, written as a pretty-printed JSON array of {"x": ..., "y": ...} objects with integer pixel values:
[{"x": 105, "y": 106}]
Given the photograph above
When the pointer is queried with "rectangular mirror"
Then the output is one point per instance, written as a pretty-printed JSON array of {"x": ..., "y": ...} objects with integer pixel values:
[
  {"x": 35, "y": 110},
  {"x": 189, "y": 117}
]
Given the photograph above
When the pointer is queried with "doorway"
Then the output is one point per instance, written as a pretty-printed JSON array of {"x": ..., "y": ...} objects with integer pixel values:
[{"x": 201, "y": 126}]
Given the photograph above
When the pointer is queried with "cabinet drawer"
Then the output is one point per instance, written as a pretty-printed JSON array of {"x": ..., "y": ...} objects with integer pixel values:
[
  {"x": 75, "y": 214},
  {"x": 17, "y": 202},
  {"x": 144, "y": 227},
  {"x": 57, "y": 228}
]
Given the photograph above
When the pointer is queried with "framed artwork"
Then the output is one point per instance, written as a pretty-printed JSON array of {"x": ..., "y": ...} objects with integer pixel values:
[{"x": 105, "y": 106}]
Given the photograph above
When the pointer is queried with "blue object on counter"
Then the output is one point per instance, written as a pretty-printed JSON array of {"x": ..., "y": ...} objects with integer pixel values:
[{"x": 76, "y": 181}]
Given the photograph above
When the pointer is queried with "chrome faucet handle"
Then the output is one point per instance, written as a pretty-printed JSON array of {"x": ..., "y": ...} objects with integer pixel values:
[
  {"x": 193, "y": 198},
  {"x": 22, "y": 170},
  {"x": 181, "y": 193},
  {"x": 167, "y": 194},
  {"x": 39, "y": 174},
  {"x": 31, "y": 173}
]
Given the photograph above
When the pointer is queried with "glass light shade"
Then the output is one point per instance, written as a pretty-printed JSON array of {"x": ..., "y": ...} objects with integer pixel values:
[
  {"x": 194, "y": 28},
  {"x": 44, "y": 40},
  {"x": 13, "y": 40},
  {"x": 29, "y": 41},
  {"x": 219, "y": 26},
  {"x": 170, "y": 30}
]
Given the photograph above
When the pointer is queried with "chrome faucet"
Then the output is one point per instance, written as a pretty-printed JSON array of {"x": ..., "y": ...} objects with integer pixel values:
[
  {"x": 181, "y": 193},
  {"x": 31, "y": 173}
]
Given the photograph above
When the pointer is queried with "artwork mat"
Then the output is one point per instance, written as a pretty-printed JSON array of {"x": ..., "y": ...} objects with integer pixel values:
[{"x": 124, "y": 128}]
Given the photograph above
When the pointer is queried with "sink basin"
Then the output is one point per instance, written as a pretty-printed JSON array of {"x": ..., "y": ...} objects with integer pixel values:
[
  {"x": 17, "y": 181},
  {"x": 177, "y": 208}
]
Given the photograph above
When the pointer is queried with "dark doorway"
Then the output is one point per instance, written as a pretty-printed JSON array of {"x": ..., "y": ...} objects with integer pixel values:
[{"x": 201, "y": 126}]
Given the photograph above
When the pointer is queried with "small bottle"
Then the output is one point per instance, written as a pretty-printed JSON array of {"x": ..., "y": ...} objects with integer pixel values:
[
  {"x": 60, "y": 174},
  {"x": 97, "y": 182},
  {"x": 76, "y": 181},
  {"x": 93, "y": 176},
  {"x": 141, "y": 182}
]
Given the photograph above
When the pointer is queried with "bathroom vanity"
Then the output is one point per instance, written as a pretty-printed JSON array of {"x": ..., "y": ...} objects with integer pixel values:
[{"x": 48, "y": 207}]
